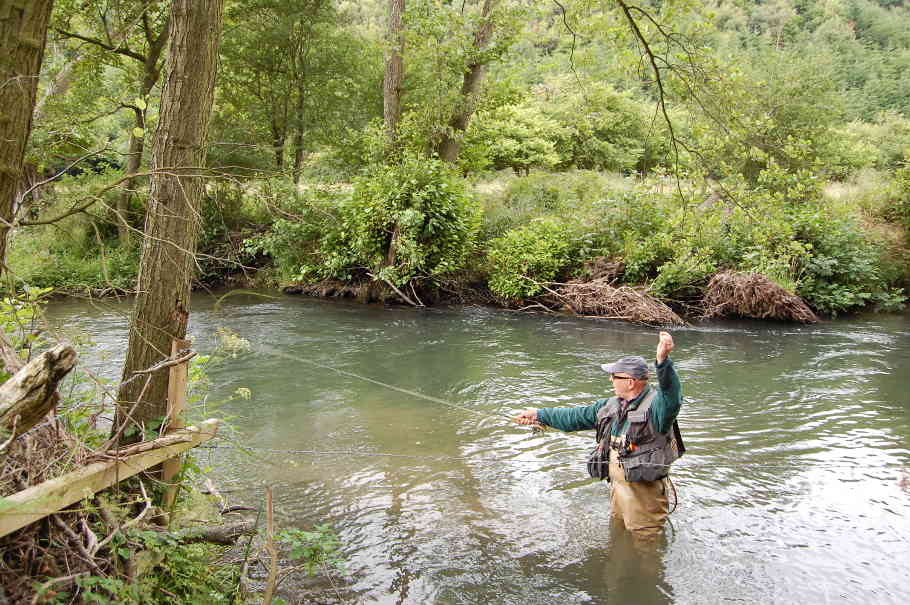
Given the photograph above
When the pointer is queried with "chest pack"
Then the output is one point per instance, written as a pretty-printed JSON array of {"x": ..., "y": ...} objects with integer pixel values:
[{"x": 644, "y": 453}]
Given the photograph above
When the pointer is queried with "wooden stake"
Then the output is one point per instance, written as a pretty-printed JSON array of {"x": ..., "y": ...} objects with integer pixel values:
[
  {"x": 272, "y": 582},
  {"x": 176, "y": 403},
  {"x": 39, "y": 501}
]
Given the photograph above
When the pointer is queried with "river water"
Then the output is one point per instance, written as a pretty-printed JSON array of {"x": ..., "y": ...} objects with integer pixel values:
[{"x": 794, "y": 489}]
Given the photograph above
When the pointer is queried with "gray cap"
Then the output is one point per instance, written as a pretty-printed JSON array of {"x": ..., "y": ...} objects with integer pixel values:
[{"x": 635, "y": 366}]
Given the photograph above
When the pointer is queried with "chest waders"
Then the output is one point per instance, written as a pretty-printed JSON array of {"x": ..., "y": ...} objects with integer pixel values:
[{"x": 644, "y": 453}]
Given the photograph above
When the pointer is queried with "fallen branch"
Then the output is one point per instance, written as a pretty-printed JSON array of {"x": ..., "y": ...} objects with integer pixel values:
[
  {"x": 32, "y": 391},
  {"x": 147, "y": 446},
  {"x": 223, "y": 508},
  {"x": 225, "y": 534},
  {"x": 39, "y": 594}
]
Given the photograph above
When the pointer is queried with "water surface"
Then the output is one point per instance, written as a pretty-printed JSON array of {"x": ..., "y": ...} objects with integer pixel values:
[{"x": 794, "y": 489}]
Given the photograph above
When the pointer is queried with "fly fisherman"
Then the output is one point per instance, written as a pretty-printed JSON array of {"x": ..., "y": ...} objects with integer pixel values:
[{"x": 636, "y": 431}]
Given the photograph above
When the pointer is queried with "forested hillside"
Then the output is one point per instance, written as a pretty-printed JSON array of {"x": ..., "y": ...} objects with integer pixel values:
[{"x": 424, "y": 150}]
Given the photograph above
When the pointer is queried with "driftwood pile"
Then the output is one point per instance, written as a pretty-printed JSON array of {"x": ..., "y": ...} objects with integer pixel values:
[
  {"x": 601, "y": 298},
  {"x": 752, "y": 295}
]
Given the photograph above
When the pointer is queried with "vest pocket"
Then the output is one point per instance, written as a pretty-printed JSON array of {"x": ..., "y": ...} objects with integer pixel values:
[{"x": 647, "y": 465}]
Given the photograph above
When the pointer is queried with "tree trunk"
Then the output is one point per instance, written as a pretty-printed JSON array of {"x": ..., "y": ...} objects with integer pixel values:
[
  {"x": 23, "y": 34},
  {"x": 299, "y": 153},
  {"x": 394, "y": 72},
  {"x": 172, "y": 221},
  {"x": 279, "y": 135},
  {"x": 151, "y": 72},
  {"x": 449, "y": 146}
]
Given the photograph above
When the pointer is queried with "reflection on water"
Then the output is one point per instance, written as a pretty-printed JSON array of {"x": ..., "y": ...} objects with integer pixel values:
[{"x": 794, "y": 487}]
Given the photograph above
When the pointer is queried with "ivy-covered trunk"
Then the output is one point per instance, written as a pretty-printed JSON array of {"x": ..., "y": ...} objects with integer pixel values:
[
  {"x": 394, "y": 71},
  {"x": 449, "y": 145},
  {"x": 172, "y": 223},
  {"x": 23, "y": 34}
]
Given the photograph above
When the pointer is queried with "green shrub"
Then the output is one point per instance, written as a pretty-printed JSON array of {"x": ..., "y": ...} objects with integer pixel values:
[
  {"x": 898, "y": 211},
  {"x": 403, "y": 222},
  {"x": 519, "y": 137},
  {"x": 514, "y": 201},
  {"x": 525, "y": 257},
  {"x": 62, "y": 260},
  {"x": 409, "y": 221}
]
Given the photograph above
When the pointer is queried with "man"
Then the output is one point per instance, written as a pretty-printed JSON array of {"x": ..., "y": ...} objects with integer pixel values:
[{"x": 638, "y": 428}]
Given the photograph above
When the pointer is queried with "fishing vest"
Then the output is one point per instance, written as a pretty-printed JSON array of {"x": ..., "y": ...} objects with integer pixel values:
[{"x": 644, "y": 453}]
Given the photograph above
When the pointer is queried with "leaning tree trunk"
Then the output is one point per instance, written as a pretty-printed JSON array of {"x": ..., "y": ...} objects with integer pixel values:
[
  {"x": 394, "y": 72},
  {"x": 449, "y": 146},
  {"x": 172, "y": 223},
  {"x": 23, "y": 34}
]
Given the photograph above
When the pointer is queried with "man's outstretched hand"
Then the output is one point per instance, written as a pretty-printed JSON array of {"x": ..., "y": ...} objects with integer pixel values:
[
  {"x": 664, "y": 346},
  {"x": 528, "y": 417}
]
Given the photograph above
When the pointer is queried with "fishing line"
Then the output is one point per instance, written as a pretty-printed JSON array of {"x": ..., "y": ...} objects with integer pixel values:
[
  {"x": 363, "y": 453},
  {"x": 392, "y": 387},
  {"x": 484, "y": 416}
]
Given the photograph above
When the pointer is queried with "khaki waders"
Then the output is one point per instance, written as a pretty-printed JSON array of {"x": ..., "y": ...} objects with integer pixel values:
[{"x": 642, "y": 505}]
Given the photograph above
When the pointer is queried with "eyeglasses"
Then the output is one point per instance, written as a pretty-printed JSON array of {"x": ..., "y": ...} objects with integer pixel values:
[{"x": 615, "y": 377}]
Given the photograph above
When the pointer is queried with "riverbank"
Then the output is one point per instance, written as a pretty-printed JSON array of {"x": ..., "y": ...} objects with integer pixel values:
[{"x": 578, "y": 241}]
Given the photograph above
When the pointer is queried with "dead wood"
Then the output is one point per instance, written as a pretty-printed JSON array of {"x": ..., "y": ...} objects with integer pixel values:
[
  {"x": 8, "y": 355},
  {"x": 752, "y": 295},
  {"x": 225, "y": 534},
  {"x": 27, "y": 397},
  {"x": 599, "y": 297}
]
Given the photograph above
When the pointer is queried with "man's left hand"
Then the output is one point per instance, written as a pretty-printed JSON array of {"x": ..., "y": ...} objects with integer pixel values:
[{"x": 664, "y": 346}]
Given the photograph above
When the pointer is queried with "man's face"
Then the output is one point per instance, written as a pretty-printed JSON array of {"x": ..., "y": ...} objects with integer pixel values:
[{"x": 624, "y": 386}]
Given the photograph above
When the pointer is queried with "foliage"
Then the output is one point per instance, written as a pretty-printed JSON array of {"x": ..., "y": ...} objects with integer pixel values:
[
  {"x": 292, "y": 76},
  {"x": 64, "y": 261},
  {"x": 315, "y": 549},
  {"x": 182, "y": 571},
  {"x": 404, "y": 222},
  {"x": 525, "y": 257},
  {"x": 565, "y": 124},
  {"x": 898, "y": 211},
  {"x": 519, "y": 137},
  {"x": 510, "y": 201}
]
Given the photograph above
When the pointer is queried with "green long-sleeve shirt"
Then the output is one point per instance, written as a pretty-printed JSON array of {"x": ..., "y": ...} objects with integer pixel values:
[{"x": 664, "y": 408}]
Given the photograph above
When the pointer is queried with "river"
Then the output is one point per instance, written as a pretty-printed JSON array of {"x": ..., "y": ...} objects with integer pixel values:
[{"x": 794, "y": 489}]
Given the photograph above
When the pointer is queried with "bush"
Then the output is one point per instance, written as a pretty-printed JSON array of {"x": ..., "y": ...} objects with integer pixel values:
[
  {"x": 42, "y": 257},
  {"x": 403, "y": 222},
  {"x": 519, "y": 137},
  {"x": 596, "y": 128},
  {"x": 410, "y": 221},
  {"x": 523, "y": 258},
  {"x": 510, "y": 202}
]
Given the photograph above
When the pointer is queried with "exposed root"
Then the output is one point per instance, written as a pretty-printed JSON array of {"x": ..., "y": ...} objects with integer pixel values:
[
  {"x": 752, "y": 295},
  {"x": 601, "y": 298}
]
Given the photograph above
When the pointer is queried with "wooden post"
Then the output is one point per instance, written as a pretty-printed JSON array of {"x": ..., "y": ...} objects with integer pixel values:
[{"x": 176, "y": 403}]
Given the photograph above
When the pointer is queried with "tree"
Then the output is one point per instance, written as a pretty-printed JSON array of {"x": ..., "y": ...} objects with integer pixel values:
[
  {"x": 166, "y": 269},
  {"x": 449, "y": 144},
  {"x": 137, "y": 31},
  {"x": 292, "y": 75},
  {"x": 394, "y": 71},
  {"x": 23, "y": 35}
]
